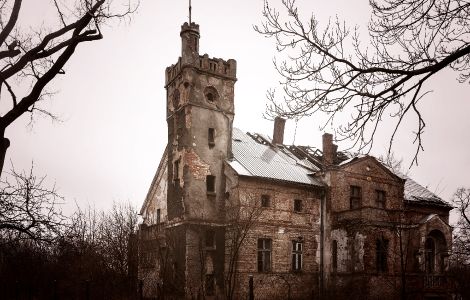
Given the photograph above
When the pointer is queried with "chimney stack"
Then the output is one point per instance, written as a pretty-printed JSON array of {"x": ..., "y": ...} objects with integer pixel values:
[
  {"x": 278, "y": 132},
  {"x": 329, "y": 149}
]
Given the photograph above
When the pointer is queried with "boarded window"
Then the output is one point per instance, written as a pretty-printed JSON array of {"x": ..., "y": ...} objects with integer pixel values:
[
  {"x": 210, "y": 183},
  {"x": 297, "y": 255},
  {"x": 298, "y": 205},
  {"x": 264, "y": 255},
  {"x": 356, "y": 197},
  {"x": 381, "y": 251},
  {"x": 265, "y": 201},
  {"x": 380, "y": 199},
  {"x": 211, "y": 137},
  {"x": 210, "y": 238},
  {"x": 334, "y": 255}
]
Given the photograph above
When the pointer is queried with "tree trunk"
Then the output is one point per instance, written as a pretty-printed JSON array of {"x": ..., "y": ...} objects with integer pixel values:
[{"x": 4, "y": 144}]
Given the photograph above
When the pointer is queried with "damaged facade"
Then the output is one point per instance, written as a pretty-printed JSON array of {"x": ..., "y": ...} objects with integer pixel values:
[{"x": 306, "y": 223}]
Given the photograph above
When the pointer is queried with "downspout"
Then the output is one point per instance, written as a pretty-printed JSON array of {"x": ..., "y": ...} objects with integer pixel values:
[{"x": 322, "y": 241}]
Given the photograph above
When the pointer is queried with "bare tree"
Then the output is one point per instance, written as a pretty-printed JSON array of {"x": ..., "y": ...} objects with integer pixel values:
[
  {"x": 242, "y": 215},
  {"x": 461, "y": 201},
  {"x": 30, "y": 60},
  {"x": 28, "y": 209},
  {"x": 328, "y": 70}
]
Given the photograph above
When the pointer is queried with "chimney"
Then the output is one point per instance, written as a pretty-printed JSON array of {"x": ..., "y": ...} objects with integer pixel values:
[
  {"x": 278, "y": 132},
  {"x": 329, "y": 149}
]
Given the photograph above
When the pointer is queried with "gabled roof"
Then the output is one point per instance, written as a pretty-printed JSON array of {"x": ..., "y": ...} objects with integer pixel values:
[{"x": 255, "y": 156}]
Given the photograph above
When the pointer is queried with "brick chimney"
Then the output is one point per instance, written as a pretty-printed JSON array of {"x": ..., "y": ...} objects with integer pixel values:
[
  {"x": 278, "y": 132},
  {"x": 329, "y": 149}
]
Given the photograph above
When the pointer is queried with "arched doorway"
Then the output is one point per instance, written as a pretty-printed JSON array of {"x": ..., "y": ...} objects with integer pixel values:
[{"x": 435, "y": 251}]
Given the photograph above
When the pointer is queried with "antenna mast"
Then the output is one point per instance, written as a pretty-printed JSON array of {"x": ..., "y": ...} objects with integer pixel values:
[{"x": 190, "y": 12}]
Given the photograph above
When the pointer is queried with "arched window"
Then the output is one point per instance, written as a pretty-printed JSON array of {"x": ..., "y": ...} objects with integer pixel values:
[{"x": 435, "y": 252}]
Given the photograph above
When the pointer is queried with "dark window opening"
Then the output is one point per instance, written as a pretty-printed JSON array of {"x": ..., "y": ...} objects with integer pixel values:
[
  {"x": 296, "y": 255},
  {"x": 298, "y": 205},
  {"x": 356, "y": 197},
  {"x": 264, "y": 255},
  {"x": 430, "y": 255},
  {"x": 210, "y": 97},
  {"x": 334, "y": 254},
  {"x": 265, "y": 201},
  {"x": 210, "y": 183},
  {"x": 380, "y": 199},
  {"x": 381, "y": 251},
  {"x": 210, "y": 238},
  {"x": 176, "y": 170},
  {"x": 210, "y": 285},
  {"x": 211, "y": 137},
  {"x": 158, "y": 215}
]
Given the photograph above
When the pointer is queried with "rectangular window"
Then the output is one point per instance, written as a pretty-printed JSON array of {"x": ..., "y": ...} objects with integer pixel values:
[
  {"x": 210, "y": 238},
  {"x": 380, "y": 199},
  {"x": 297, "y": 205},
  {"x": 265, "y": 201},
  {"x": 176, "y": 170},
  {"x": 210, "y": 285},
  {"x": 158, "y": 215},
  {"x": 381, "y": 254},
  {"x": 264, "y": 255},
  {"x": 210, "y": 183},
  {"x": 334, "y": 255},
  {"x": 296, "y": 255},
  {"x": 356, "y": 197},
  {"x": 211, "y": 137}
]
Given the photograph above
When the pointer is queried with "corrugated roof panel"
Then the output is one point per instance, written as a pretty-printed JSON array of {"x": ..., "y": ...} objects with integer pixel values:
[{"x": 266, "y": 161}]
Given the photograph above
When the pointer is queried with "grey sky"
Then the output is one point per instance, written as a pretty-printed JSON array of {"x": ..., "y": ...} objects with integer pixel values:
[{"x": 112, "y": 102}]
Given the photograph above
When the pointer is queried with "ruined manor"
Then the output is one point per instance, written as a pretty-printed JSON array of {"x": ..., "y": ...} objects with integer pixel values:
[{"x": 230, "y": 212}]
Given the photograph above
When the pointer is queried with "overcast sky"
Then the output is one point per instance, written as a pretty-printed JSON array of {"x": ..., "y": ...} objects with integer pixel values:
[{"x": 112, "y": 102}]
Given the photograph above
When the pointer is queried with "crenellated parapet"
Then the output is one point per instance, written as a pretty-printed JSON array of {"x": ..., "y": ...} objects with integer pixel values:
[{"x": 215, "y": 66}]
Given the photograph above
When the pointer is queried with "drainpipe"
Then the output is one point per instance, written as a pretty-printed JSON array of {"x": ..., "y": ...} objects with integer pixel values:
[{"x": 322, "y": 241}]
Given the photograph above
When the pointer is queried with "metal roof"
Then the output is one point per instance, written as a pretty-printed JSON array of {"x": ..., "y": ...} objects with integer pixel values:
[{"x": 254, "y": 155}]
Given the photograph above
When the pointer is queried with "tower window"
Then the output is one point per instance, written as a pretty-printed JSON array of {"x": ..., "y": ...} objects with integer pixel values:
[
  {"x": 334, "y": 255},
  {"x": 210, "y": 238},
  {"x": 210, "y": 183},
  {"x": 211, "y": 94},
  {"x": 380, "y": 199},
  {"x": 296, "y": 255},
  {"x": 210, "y": 97},
  {"x": 298, "y": 205},
  {"x": 158, "y": 215},
  {"x": 265, "y": 201},
  {"x": 264, "y": 255},
  {"x": 356, "y": 197},
  {"x": 211, "y": 137},
  {"x": 176, "y": 170}
]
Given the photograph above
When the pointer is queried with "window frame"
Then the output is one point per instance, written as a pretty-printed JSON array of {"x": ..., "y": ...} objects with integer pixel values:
[
  {"x": 210, "y": 184},
  {"x": 265, "y": 201},
  {"x": 211, "y": 137},
  {"x": 380, "y": 199},
  {"x": 355, "y": 200},
  {"x": 297, "y": 255},
  {"x": 264, "y": 257},
  {"x": 298, "y": 205},
  {"x": 209, "y": 238},
  {"x": 381, "y": 255}
]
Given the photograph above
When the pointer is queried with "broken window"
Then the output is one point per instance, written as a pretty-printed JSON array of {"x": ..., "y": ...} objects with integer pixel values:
[
  {"x": 211, "y": 137},
  {"x": 265, "y": 201},
  {"x": 334, "y": 255},
  {"x": 264, "y": 255},
  {"x": 356, "y": 197},
  {"x": 296, "y": 255},
  {"x": 210, "y": 285},
  {"x": 210, "y": 183},
  {"x": 298, "y": 205},
  {"x": 210, "y": 238},
  {"x": 380, "y": 199},
  {"x": 381, "y": 254}
]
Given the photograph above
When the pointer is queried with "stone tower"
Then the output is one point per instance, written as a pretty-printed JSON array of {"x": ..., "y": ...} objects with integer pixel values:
[{"x": 200, "y": 112}]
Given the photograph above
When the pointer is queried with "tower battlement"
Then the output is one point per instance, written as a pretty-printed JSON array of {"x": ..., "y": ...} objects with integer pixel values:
[{"x": 216, "y": 66}]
